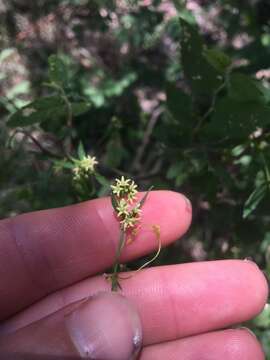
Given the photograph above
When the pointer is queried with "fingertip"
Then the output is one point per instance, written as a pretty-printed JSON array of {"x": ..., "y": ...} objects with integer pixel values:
[
  {"x": 171, "y": 210},
  {"x": 259, "y": 291},
  {"x": 231, "y": 344},
  {"x": 247, "y": 344},
  {"x": 181, "y": 213}
]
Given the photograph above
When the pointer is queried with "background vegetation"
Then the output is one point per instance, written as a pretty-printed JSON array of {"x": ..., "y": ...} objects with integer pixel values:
[{"x": 171, "y": 93}]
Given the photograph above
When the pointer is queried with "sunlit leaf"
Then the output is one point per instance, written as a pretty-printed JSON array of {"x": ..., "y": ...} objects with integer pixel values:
[
  {"x": 57, "y": 71},
  {"x": 43, "y": 109},
  {"x": 81, "y": 152},
  {"x": 254, "y": 200}
]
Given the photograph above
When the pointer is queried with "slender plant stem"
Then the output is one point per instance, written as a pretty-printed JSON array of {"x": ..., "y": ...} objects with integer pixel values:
[
  {"x": 114, "y": 276},
  {"x": 213, "y": 102},
  {"x": 38, "y": 144}
]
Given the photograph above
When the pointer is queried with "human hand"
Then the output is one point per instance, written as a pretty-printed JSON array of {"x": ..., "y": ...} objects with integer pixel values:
[{"x": 48, "y": 267}]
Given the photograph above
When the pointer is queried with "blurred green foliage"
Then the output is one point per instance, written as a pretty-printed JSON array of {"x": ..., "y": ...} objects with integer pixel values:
[{"x": 171, "y": 93}]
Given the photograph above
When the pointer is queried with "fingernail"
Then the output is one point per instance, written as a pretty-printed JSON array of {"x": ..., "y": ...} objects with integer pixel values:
[
  {"x": 251, "y": 261},
  {"x": 106, "y": 327},
  {"x": 248, "y": 330}
]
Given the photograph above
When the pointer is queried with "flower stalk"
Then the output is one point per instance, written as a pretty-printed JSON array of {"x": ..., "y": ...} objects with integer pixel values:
[{"x": 128, "y": 212}]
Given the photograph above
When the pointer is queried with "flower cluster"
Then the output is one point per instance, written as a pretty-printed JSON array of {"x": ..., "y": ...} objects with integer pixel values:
[
  {"x": 128, "y": 211},
  {"x": 125, "y": 188},
  {"x": 124, "y": 192},
  {"x": 84, "y": 167}
]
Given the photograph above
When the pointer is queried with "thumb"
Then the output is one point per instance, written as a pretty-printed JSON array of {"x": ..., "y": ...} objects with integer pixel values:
[{"x": 105, "y": 326}]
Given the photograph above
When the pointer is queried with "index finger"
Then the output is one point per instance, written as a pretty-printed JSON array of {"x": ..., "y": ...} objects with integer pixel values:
[{"x": 51, "y": 249}]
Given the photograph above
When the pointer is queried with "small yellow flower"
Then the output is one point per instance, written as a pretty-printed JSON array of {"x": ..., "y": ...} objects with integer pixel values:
[
  {"x": 129, "y": 222},
  {"x": 125, "y": 188},
  {"x": 122, "y": 208},
  {"x": 132, "y": 192},
  {"x": 120, "y": 186},
  {"x": 76, "y": 173},
  {"x": 84, "y": 167},
  {"x": 131, "y": 219},
  {"x": 128, "y": 211},
  {"x": 135, "y": 212},
  {"x": 88, "y": 163}
]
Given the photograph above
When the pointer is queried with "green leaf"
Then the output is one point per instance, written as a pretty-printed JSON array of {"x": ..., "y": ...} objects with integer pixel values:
[
  {"x": 185, "y": 14},
  {"x": 79, "y": 108},
  {"x": 234, "y": 120},
  {"x": 57, "y": 71},
  {"x": 102, "y": 180},
  {"x": 243, "y": 88},
  {"x": 63, "y": 164},
  {"x": 219, "y": 60},
  {"x": 263, "y": 319},
  {"x": 254, "y": 200},
  {"x": 264, "y": 90},
  {"x": 115, "y": 151},
  {"x": 116, "y": 87},
  {"x": 202, "y": 77},
  {"x": 81, "y": 152},
  {"x": 43, "y": 109},
  {"x": 179, "y": 105},
  {"x": 48, "y": 108},
  {"x": 176, "y": 169}
]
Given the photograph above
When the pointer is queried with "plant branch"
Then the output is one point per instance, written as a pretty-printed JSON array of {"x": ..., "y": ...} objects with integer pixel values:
[
  {"x": 147, "y": 135},
  {"x": 37, "y": 143},
  {"x": 114, "y": 276}
]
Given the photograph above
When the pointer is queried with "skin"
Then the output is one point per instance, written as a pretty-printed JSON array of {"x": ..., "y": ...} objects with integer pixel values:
[{"x": 48, "y": 272}]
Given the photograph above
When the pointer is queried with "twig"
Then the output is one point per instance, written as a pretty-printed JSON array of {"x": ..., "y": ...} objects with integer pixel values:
[
  {"x": 213, "y": 102},
  {"x": 211, "y": 108},
  {"x": 114, "y": 276},
  {"x": 148, "y": 132},
  {"x": 38, "y": 144}
]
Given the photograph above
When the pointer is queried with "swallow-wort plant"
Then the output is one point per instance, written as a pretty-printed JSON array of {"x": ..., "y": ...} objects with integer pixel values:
[{"x": 129, "y": 212}]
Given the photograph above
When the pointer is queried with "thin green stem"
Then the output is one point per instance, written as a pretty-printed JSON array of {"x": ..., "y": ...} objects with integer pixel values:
[
  {"x": 36, "y": 142},
  {"x": 114, "y": 276}
]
